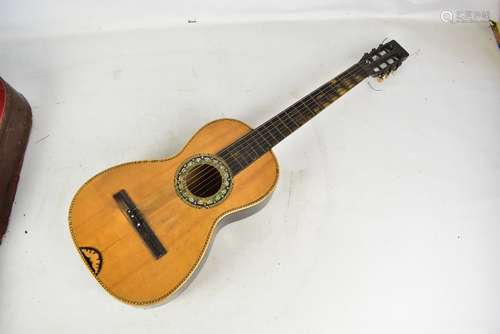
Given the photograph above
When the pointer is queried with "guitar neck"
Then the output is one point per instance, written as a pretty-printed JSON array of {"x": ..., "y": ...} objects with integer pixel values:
[{"x": 250, "y": 147}]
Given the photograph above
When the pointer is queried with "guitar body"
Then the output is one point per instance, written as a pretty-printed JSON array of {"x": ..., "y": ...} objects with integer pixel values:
[{"x": 113, "y": 249}]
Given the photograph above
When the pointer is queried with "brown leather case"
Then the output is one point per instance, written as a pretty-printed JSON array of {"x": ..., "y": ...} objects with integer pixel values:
[{"x": 15, "y": 126}]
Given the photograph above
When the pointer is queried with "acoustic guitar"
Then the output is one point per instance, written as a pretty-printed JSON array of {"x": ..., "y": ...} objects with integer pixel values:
[{"x": 143, "y": 228}]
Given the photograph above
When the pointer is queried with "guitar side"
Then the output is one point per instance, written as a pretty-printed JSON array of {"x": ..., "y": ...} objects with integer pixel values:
[{"x": 112, "y": 248}]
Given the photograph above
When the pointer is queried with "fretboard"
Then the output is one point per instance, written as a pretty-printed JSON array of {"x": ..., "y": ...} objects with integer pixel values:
[{"x": 254, "y": 144}]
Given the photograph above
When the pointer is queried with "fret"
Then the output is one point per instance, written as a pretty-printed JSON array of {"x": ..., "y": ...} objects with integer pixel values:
[
  {"x": 280, "y": 135},
  {"x": 277, "y": 134},
  {"x": 334, "y": 92},
  {"x": 318, "y": 107},
  {"x": 256, "y": 145},
  {"x": 353, "y": 80},
  {"x": 343, "y": 87},
  {"x": 331, "y": 94},
  {"x": 249, "y": 150},
  {"x": 350, "y": 82},
  {"x": 287, "y": 114},
  {"x": 238, "y": 158},
  {"x": 359, "y": 78},
  {"x": 252, "y": 146},
  {"x": 231, "y": 157},
  {"x": 256, "y": 137},
  {"x": 307, "y": 101},
  {"x": 347, "y": 83},
  {"x": 286, "y": 120},
  {"x": 341, "y": 84},
  {"x": 300, "y": 109},
  {"x": 270, "y": 136},
  {"x": 259, "y": 132},
  {"x": 326, "y": 89},
  {"x": 280, "y": 123},
  {"x": 303, "y": 115},
  {"x": 295, "y": 114},
  {"x": 234, "y": 156},
  {"x": 321, "y": 98},
  {"x": 243, "y": 156}
]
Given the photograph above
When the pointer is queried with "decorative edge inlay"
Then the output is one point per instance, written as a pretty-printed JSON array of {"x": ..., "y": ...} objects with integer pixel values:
[
  {"x": 93, "y": 258},
  {"x": 187, "y": 196}
]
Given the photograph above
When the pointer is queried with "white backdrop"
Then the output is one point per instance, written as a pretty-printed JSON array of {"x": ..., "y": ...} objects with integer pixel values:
[
  {"x": 33, "y": 17},
  {"x": 386, "y": 215}
]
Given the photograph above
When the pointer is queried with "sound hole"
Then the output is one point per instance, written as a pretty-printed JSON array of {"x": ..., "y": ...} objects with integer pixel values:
[{"x": 203, "y": 180}]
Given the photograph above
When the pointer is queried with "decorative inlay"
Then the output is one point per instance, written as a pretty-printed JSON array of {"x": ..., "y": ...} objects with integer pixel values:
[
  {"x": 203, "y": 180},
  {"x": 93, "y": 258}
]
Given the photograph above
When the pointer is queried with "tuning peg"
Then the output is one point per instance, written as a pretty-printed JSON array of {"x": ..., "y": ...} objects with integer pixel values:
[{"x": 382, "y": 77}]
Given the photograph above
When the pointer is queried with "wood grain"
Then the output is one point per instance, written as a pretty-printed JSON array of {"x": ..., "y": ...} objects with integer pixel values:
[{"x": 129, "y": 271}]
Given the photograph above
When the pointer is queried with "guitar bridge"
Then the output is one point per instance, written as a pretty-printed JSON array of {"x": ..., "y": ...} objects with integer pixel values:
[{"x": 140, "y": 224}]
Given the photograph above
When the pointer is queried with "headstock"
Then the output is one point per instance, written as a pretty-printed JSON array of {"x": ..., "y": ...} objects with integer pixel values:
[{"x": 383, "y": 60}]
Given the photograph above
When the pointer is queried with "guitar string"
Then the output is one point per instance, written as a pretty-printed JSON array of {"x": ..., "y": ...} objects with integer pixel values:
[
  {"x": 297, "y": 108},
  {"x": 332, "y": 90},
  {"x": 345, "y": 75},
  {"x": 353, "y": 72},
  {"x": 200, "y": 184}
]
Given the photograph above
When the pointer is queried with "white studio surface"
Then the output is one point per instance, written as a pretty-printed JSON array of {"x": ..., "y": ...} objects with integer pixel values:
[{"x": 386, "y": 217}]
